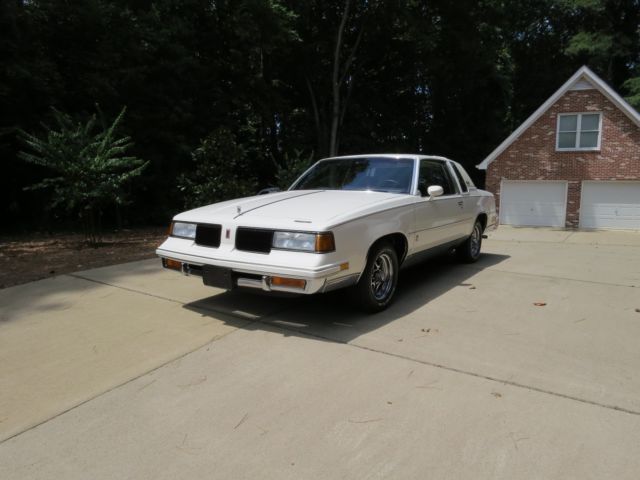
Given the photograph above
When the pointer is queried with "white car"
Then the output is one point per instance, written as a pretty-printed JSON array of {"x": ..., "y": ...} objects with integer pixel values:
[{"x": 346, "y": 222}]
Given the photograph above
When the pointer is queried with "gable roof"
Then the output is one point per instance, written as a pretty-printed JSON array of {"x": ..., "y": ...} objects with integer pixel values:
[{"x": 576, "y": 82}]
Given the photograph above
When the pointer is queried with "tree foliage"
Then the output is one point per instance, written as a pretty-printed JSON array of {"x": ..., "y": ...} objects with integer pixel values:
[
  {"x": 274, "y": 77},
  {"x": 291, "y": 167},
  {"x": 221, "y": 171},
  {"x": 89, "y": 165}
]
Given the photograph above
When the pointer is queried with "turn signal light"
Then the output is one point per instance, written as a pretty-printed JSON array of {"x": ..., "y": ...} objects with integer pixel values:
[
  {"x": 288, "y": 282},
  {"x": 325, "y": 242},
  {"x": 172, "y": 264}
]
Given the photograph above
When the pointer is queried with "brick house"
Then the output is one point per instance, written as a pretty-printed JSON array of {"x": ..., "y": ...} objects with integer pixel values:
[{"x": 574, "y": 162}]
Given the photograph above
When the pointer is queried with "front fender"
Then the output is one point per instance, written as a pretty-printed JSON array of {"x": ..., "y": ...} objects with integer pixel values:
[{"x": 356, "y": 237}]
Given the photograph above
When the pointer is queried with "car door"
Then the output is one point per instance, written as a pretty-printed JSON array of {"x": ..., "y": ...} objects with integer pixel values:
[{"x": 436, "y": 218}]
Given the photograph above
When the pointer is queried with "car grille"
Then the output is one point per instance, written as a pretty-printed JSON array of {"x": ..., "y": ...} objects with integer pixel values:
[
  {"x": 254, "y": 239},
  {"x": 208, "y": 235}
]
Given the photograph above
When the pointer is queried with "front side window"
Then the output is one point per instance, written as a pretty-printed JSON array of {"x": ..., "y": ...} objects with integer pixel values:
[
  {"x": 579, "y": 131},
  {"x": 433, "y": 172}
]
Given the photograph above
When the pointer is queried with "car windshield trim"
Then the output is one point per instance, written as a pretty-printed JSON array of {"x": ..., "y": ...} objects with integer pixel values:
[{"x": 364, "y": 174}]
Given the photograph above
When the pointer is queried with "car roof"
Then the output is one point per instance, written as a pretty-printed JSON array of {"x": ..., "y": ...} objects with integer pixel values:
[{"x": 397, "y": 156}]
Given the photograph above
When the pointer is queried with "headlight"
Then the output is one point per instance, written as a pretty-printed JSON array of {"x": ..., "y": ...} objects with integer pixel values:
[
  {"x": 183, "y": 230},
  {"x": 305, "y": 242},
  {"x": 295, "y": 241}
]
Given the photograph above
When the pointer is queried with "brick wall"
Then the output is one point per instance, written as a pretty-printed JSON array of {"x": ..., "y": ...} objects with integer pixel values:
[{"x": 533, "y": 155}]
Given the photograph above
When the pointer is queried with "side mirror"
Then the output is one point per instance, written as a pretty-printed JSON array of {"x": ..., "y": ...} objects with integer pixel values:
[
  {"x": 435, "y": 191},
  {"x": 265, "y": 191}
]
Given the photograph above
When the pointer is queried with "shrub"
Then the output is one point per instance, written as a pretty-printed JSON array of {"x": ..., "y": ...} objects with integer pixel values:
[
  {"x": 90, "y": 165},
  {"x": 291, "y": 167},
  {"x": 221, "y": 171}
]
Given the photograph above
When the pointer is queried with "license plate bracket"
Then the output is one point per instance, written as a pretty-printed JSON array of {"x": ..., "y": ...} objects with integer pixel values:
[{"x": 218, "y": 277}]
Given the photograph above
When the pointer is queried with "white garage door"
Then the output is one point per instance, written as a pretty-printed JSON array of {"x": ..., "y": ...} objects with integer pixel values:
[
  {"x": 610, "y": 205},
  {"x": 535, "y": 203}
]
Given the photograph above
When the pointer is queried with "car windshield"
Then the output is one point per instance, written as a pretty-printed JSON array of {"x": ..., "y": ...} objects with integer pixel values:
[{"x": 379, "y": 174}]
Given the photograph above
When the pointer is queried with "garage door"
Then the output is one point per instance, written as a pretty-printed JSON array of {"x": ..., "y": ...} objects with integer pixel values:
[
  {"x": 610, "y": 205},
  {"x": 533, "y": 203}
]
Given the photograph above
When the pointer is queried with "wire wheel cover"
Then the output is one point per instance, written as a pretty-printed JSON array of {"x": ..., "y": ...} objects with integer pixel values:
[
  {"x": 382, "y": 277},
  {"x": 476, "y": 239}
]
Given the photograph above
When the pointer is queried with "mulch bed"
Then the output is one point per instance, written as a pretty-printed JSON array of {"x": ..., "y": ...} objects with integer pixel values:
[{"x": 25, "y": 258}]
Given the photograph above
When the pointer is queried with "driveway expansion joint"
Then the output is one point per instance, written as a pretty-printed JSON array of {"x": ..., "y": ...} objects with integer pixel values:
[
  {"x": 247, "y": 321},
  {"x": 464, "y": 372},
  {"x": 355, "y": 345},
  {"x": 178, "y": 302},
  {"x": 133, "y": 290},
  {"x": 579, "y": 280},
  {"x": 136, "y": 377}
]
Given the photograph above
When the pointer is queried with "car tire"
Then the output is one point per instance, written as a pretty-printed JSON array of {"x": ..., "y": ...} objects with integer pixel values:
[
  {"x": 377, "y": 285},
  {"x": 469, "y": 250}
]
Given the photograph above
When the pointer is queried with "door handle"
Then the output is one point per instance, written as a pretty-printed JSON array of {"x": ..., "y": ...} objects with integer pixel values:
[{"x": 461, "y": 203}]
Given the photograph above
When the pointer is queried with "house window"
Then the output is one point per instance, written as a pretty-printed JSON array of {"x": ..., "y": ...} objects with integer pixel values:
[{"x": 579, "y": 131}]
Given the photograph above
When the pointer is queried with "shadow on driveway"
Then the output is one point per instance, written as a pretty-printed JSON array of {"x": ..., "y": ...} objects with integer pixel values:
[{"x": 333, "y": 316}]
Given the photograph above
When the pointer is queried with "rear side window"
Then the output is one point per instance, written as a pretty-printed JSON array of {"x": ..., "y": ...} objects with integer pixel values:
[
  {"x": 466, "y": 179},
  {"x": 463, "y": 184}
]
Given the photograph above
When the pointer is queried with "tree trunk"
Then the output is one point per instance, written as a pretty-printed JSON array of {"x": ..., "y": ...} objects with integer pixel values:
[
  {"x": 316, "y": 118},
  {"x": 336, "y": 83}
]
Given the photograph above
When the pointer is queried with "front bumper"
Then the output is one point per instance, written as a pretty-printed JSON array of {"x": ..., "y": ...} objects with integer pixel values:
[{"x": 260, "y": 275}]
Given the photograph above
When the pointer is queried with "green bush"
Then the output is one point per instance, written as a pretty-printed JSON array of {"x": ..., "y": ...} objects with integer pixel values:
[
  {"x": 90, "y": 166},
  {"x": 291, "y": 167},
  {"x": 221, "y": 172}
]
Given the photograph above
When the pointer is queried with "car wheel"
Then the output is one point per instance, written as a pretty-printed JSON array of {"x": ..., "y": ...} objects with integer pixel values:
[
  {"x": 469, "y": 250},
  {"x": 378, "y": 282}
]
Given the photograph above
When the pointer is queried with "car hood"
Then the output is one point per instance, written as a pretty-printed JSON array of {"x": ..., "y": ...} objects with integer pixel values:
[{"x": 298, "y": 209}]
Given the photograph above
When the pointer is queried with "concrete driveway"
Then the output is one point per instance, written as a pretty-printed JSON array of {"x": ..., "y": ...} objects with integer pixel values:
[{"x": 134, "y": 372}]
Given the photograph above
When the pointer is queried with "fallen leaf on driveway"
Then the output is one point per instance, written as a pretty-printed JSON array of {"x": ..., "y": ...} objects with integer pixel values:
[
  {"x": 430, "y": 385},
  {"x": 365, "y": 421},
  {"x": 427, "y": 332},
  {"x": 539, "y": 304},
  {"x": 241, "y": 421},
  {"x": 198, "y": 381},
  {"x": 496, "y": 394}
]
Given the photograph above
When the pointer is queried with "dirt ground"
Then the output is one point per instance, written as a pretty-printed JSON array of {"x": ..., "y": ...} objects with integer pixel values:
[{"x": 26, "y": 258}]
